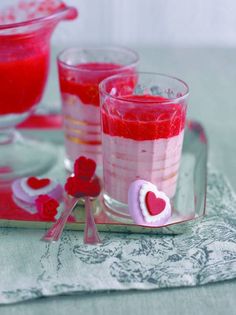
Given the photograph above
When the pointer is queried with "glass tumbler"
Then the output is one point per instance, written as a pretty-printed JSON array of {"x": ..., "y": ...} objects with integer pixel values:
[
  {"x": 80, "y": 72},
  {"x": 143, "y": 120}
]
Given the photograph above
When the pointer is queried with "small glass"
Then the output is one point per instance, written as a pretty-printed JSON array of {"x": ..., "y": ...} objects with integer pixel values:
[
  {"x": 80, "y": 72},
  {"x": 143, "y": 119}
]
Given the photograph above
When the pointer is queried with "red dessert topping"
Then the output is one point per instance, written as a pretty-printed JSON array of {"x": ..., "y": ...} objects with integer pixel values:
[
  {"x": 150, "y": 117},
  {"x": 84, "y": 83}
]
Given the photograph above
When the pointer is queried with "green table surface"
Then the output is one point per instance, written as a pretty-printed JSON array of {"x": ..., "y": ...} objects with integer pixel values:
[{"x": 211, "y": 75}]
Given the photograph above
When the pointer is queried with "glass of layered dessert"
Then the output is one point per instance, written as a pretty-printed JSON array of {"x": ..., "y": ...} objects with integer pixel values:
[
  {"x": 80, "y": 72},
  {"x": 143, "y": 120}
]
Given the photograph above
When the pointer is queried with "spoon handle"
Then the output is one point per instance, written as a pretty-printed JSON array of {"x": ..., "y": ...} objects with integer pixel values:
[
  {"x": 91, "y": 235},
  {"x": 54, "y": 233}
]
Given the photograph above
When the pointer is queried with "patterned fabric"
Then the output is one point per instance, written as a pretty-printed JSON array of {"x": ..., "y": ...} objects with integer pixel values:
[{"x": 206, "y": 253}]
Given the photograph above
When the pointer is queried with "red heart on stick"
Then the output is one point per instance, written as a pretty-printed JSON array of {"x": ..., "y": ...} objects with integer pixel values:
[
  {"x": 83, "y": 183},
  {"x": 37, "y": 183},
  {"x": 154, "y": 204},
  {"x": 84, "y": 168},
  {"x": 94, "y": 187},
  {"x": 78, "y": 187}
]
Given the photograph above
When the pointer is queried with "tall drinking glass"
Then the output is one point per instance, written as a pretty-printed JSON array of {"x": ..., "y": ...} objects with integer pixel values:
[
  {"x": 143, "y": 119},
  {"x": 80, "y": 72}
]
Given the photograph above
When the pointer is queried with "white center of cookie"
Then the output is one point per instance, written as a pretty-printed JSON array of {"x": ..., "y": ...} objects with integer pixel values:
[{"x": 35, "y": 192}]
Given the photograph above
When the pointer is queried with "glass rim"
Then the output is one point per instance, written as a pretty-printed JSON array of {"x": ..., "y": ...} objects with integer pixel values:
[
  {"x": 46, "y": 18},
  {"x": 98, "y": 48},
  {"x": 157, "y": 74}
]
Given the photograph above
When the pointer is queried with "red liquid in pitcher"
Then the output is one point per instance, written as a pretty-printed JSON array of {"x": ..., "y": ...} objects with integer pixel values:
[{"x": 22, "y": 76}]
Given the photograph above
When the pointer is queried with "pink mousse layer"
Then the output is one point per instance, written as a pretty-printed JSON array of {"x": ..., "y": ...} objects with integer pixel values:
[
  {"x": 82, "y": 129},
  {"x": 126, "y": 160}
]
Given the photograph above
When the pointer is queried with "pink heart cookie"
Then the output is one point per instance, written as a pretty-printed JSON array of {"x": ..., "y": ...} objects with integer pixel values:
[
  {"x": 147, "y": 205},
  {"x": 26, "y": 192}
]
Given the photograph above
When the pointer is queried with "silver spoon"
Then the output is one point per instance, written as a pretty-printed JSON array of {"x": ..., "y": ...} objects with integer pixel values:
[{"x": 91, "y": 235}]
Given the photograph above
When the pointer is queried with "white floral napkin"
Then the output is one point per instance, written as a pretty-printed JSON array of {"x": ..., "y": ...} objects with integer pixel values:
[{"x": 30, "y": 268}]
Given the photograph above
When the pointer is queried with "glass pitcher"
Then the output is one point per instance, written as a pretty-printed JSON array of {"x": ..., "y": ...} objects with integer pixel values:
[{"x": 25, "y": 32}]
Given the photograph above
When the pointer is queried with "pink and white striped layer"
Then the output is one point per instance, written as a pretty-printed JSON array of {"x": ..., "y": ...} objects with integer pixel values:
[
  {"x": 82, "y": 129},
  {"x": 126, "y": 160}
]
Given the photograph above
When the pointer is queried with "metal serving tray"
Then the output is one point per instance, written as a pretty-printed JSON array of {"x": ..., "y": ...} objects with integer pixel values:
[{"x": 188, "y": 204}]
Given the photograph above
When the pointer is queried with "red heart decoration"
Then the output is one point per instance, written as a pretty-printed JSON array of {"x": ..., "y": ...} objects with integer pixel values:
[
  {"x": 78, "y": 187},
  {"x": 36, "y": 183},
  {"x": 94, "y": 187},
  {"x": 72, "y": 187},
  {"x": 84, "y": 168},
  {"x": 154, "y": 204}
]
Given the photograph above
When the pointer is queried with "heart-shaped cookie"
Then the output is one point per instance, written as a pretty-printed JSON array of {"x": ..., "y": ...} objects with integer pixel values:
[
  {"x": 147, "y": 205},
  {"x": 28, "y": 189}
]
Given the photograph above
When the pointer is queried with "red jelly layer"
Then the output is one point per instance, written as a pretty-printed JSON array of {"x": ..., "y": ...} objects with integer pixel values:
[
  {"x": 150, "y": 117},
  {"x": 22, "y": 81},
  {"x": 83, "y": 82}
]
